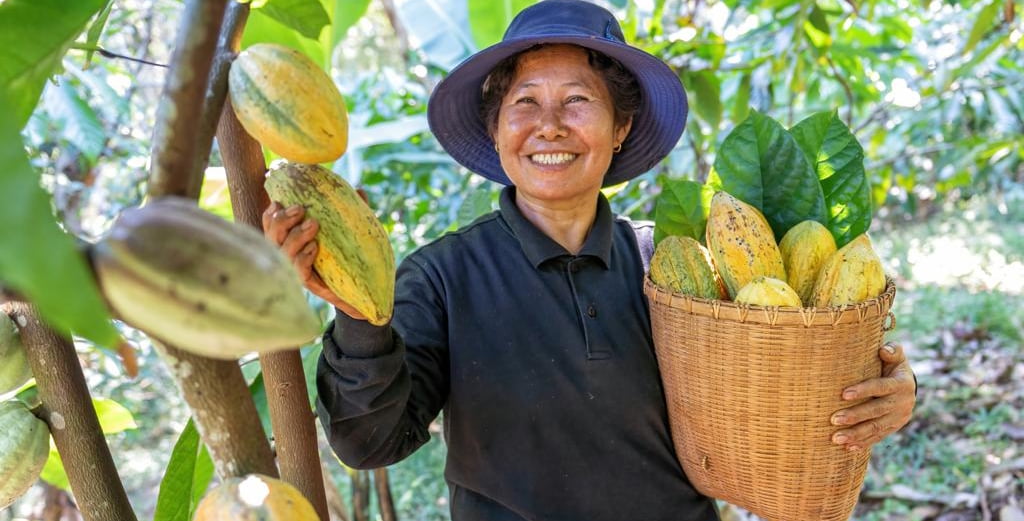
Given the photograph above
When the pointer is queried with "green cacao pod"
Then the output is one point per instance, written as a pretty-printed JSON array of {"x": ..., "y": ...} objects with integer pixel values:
[
  {"x": 14, "y": 369},
  {"x": 200, "y": 283},
  {"x": 354, "y": 257},
  {"x": 254, "y": 498},
  {"x": 767, "y": 291},
  {"x": 288, "y": 103},
  {"x": 805, "y": 248},
  {"x": 851, "y": 275},
  {"x": 24, "y": 447},
  {"x": 682, "y": 264},
  {"x": 741, "y": 243}
]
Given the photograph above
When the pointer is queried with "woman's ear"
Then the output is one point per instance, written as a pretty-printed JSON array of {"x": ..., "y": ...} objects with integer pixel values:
[{"x": 622, "y": 131}]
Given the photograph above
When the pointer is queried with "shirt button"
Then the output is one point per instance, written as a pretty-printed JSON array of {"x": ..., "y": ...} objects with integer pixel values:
[
  {"x": 592, "y": 311},
  {"x": 575, "y": 268}
]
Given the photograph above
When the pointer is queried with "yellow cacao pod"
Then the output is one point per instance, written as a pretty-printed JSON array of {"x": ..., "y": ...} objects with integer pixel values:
[
  {"x": 741, "y": 243},
  {"x": 24, "y": 448},
  {"x": 255, "y": 498},
  {"x": 768, "y": 291},
  {"x": 14, "y": 369},
  {"x": 681, "y": 264},
  {"x": 193, "y": 280},
  {"x": 805, "y": 248},
  {"x": 354, "y": 258},
  {"x": 852, "y": 274},
  {"x": 288, "y": 103}
]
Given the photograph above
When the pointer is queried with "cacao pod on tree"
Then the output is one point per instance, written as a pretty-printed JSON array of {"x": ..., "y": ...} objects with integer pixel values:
[
  {"x": 741, "y": 243},
  {"x": 683, "y": 265},
  {"x": 354, "y": 258},
  {"x": 288, "y": 104},
  {"x": 14, "y": 368},
  {"x": 805, "y": 248},
  {"x": 24, "y": 448},
  {"x": 255, "y": 498},
  {"x": 203, "y": 284}
]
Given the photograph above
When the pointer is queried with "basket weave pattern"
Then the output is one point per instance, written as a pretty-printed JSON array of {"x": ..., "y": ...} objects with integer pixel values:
[{"x": 750, "y": 391}]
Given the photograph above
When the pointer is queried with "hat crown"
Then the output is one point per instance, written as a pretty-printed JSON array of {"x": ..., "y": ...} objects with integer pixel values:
[{"x": 562, "y": 18}]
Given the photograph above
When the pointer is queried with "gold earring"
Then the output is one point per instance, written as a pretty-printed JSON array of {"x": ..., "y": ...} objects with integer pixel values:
[
  {"x": 618, "y": 148},
  {"x": 496, "y": 147}
]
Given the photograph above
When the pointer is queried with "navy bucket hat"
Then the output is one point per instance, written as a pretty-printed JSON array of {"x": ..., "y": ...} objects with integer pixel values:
[{"x": 453, "y": 109}]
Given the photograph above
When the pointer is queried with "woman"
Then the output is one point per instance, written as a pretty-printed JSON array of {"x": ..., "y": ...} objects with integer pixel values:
[{"x": 529, "y": 327}]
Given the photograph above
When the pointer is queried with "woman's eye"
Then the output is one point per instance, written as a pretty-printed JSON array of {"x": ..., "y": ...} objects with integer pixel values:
[
  {"x": 573, "y": 99},
  {"x": 525, "y": 99}
]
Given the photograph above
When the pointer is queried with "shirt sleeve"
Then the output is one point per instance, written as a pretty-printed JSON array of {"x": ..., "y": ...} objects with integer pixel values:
[{"x": 380, "y": 387}]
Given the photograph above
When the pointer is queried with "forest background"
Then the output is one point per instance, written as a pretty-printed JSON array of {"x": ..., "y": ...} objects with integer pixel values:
[{"x": 929, "y": 88}]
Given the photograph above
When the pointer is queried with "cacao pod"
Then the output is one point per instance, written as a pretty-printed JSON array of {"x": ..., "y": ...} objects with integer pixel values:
[
  {"x": 288, "y": 103},
  {"x": 852, "y": 274},
  {"x": 354, "y": 257},
  {"x": 805, "y": 248},
  {"x": 200, "y": 283},
  {"x": 683, "y": 265},
  {"x": 255, "y": 498},
  {"x": 741, "y": 243},
  {"x": 14, "y": 368},
  {"x": 768, "y": 291},
  {"x": 24, "y": 448}
]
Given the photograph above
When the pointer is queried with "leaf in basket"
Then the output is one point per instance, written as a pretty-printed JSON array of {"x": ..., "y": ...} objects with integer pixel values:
[
  {"x": 682, "y": 209},
  {"x": 761, "y": 164}
]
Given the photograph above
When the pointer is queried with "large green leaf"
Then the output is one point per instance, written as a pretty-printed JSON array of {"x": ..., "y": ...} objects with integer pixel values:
[
  {"x": 80, "y": 125},
  {"x": 488, "y": 19},
  {"x": 36, "y": 257},
  {"x": 345, "y": 14},
  {"x": 706, "y": 93},
  {"x": 761, "y": 164},
  {"x": 983, "y": 24},
  {"x": 682, "y": 209},
  {"x": 261, "y": 28},
  {"x": 306, "y": 17},
  {"x": 838, "y": 160},
  {"x": 92, "y": 36},
  {"x": 187, "y": 476},
  {"x": 34, "y": 35},
  {"x": 113, "y": 418}
]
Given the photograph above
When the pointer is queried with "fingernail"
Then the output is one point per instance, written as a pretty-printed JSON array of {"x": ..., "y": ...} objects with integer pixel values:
[
  {"x": 852, "y": 448},
  {"x": 840, "y": 438},
  {"x": 310, "y": 247},
  {"x": 889, "y": 349},
  {"x": 849, "y": 395},
  {"x": 308, "y": 225},
  {"x": 294, "y": 210},
  {"x": 839, "y": 419}
]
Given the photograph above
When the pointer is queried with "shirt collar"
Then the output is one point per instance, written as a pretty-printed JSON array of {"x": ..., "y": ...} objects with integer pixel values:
[{"x": 539, "y": 248}]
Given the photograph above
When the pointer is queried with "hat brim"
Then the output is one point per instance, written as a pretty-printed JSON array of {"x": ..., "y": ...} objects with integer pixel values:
[{"x": 453, "y": 108}]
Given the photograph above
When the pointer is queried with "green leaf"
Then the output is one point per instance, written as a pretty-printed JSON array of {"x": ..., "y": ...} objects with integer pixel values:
[
  {"x": 707, "y": 96},
  {"x": 983, "y": 25},
  {"x": 187, "y": 476},
  {"x": 53, "y": 471},
  {"x": 345, "y": 14},
  {"x": 36, "y": 257},
  {"x": 304, "y": 16},
  {"x": 817, "y": 30},
  {"x": 113, "y": 416},
  {"x": 34, "y": 35},
  {"x": 761, "y": 164},
  {"x": 261, "y": 28},
  {"x": 741, "y": 103},
  {"x": 92, "y": 37},
  {"x": 682, "y": 209},
  {"x": 488, "y": 19},
  {"x": 310, "y": 360},
  {"x": 838, "y": 160},
  {"x": 80, "y": 125},
  {"x": 477, "y": 203}
]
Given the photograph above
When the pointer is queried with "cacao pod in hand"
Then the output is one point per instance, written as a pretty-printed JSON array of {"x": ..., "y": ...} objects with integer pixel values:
[
  {"x": 805, "y": 248},
  {"x": 851, "y": 275},
  {"x": 200, "y": 283},
  {"x": 14, "y": 368},
  {"x": 255, "y": 498},
  {"x": 741, "y": 243},
  {"x": 681, "y": 264},
  {"x": 354, "y": 257},
  {"x": 288, "y": 103},
  {"x": 24, "y": 448},
  {"x": 767, "y": 291}
]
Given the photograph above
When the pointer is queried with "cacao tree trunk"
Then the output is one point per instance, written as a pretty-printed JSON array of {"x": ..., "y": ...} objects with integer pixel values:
[
  {"x": 67, "y": 409},
  {"x": 214, "y": 389},
  {"x": 360, "y": 495},
  {"x": 383, "y": 485}
]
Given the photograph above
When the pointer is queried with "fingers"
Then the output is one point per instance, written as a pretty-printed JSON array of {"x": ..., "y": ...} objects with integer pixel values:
[
  {"x": 298, "y": 238},
  {"x": 278, "y": 221}
]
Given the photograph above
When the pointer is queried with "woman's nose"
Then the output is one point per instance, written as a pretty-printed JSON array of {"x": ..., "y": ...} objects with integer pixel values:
[{"x": 551, "y": 124}]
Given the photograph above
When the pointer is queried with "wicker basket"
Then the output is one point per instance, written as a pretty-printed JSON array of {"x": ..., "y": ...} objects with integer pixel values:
[{"x": 750, "y": 391}]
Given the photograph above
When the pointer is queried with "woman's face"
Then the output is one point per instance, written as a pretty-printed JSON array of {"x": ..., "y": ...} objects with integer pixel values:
[{"x": 555, "y": 131}]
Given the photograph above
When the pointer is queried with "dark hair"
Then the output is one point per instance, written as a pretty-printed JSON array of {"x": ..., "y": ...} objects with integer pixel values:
[{"x": 621, "y": 83}]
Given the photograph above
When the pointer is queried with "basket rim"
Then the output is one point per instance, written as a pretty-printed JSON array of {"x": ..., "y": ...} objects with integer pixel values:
[{"x": 776, "y": 315}]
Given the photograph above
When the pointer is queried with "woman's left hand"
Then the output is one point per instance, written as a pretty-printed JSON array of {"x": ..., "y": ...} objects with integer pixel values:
[{"x": 888, "y": 410}]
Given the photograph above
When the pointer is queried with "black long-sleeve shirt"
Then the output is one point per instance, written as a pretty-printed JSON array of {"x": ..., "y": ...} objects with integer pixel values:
[{"x": 542, "y": 362}]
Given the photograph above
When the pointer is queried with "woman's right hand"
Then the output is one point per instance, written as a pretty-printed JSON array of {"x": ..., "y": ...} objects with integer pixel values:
[{"x": 286, "y": 228}]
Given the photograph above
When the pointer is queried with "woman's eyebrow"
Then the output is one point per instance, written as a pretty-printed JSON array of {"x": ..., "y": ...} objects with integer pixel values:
[{"x": 573, "y": 83}]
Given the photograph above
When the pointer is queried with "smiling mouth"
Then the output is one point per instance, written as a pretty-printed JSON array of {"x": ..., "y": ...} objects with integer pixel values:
[{"x": 553, "y": 159}]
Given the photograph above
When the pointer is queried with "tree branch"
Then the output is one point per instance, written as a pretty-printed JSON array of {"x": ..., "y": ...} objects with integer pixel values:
[
  {"x": 67, "y": 409},
  {"x": 214, "y": 389}
]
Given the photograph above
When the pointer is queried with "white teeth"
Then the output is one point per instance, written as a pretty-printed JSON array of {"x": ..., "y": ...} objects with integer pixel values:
[{"x": 552, "y": 159}]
